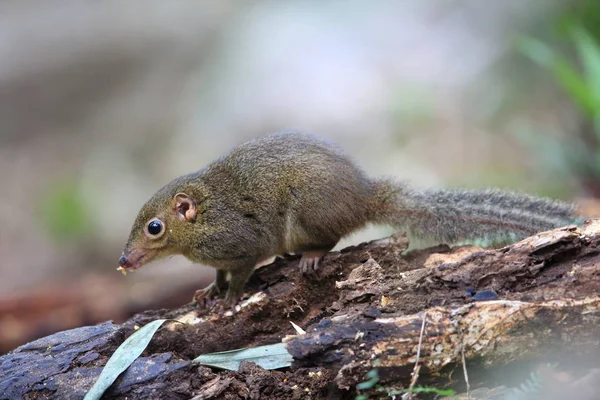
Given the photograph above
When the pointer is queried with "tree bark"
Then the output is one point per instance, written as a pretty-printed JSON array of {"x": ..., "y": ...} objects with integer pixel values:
[{"x": 491, "y": 316}]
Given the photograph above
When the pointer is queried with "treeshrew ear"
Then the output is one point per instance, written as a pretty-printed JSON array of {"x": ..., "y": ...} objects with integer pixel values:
[{"x": 185, "y": 207}]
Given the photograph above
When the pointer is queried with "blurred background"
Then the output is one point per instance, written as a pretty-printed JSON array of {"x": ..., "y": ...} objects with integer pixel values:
[{"x": 101, "y": 103}]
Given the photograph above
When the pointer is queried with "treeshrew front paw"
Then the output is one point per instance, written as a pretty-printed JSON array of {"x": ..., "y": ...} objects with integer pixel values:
[{"x": 204, "y": 297}]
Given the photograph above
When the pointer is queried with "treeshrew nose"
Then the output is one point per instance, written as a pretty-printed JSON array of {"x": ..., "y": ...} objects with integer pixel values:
[{"x": 124, "y": 262}]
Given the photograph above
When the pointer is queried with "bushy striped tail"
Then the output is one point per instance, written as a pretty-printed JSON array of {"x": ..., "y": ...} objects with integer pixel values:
[{"x": 454, "y": 215}]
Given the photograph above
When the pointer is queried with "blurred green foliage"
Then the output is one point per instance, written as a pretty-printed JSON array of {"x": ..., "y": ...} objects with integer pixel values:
[
  {"x": 64, "y": 213},
  {"x": 582, "y": 87},
  {"x": 585, "y": 13},
  {"x": 578, "y": 154}
]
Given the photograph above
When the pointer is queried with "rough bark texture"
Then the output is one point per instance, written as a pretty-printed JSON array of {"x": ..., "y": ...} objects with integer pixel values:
[{"x": 506, "y": 312}]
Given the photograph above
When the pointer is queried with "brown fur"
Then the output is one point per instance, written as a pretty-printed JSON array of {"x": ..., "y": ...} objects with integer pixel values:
[{"x": 294, "y": 193}]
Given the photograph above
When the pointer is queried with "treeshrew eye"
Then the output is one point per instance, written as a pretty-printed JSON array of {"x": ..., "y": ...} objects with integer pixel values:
[{"x": 155, "y": 227}]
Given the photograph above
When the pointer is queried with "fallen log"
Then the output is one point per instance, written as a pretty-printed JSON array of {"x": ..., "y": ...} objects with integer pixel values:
[{"x": 488, "y": 316}]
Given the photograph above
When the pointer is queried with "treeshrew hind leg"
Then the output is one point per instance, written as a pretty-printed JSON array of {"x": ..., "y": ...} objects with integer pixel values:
[{"x": 309, "y": 262}]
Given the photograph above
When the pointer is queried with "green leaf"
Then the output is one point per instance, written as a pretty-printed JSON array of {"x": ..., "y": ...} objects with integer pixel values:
[
  {"x": 373, "y": 376},
  {"x": 589, "y": 52},
  {"x": 539, "y": 52},
  {"x": 565, "y": 74},
  {"x": 422, "y": 389},
  {"x": 272, "y": 356},
  {"x": 122, "y": 358},
  {"x": 439, "y": 392}
]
